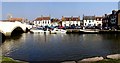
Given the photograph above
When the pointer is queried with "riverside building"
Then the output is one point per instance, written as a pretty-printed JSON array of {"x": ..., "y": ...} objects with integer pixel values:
[
  {"x": 42, "y": 21},
  {"x": 68, "y": 21}
]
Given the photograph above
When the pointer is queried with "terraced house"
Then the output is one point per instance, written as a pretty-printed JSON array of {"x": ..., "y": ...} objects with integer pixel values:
[
  {"x": 98, "y": 21},
  {"x": 42, "y": 21},
  {"x": 89, "y": 21},
  {"x": 68, "y": 21},
  {"x": 112, "y": 20}
]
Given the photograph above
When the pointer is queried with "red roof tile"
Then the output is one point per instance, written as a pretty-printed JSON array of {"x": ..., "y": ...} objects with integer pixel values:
[
  {"x": 42, "y": 18},
  {"x": 55, "y": 20},
  {"x": 70, "y": 18},
  {"x": 15, "y": 19}
]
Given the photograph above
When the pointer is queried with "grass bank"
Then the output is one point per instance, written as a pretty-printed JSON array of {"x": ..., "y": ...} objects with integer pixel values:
[{"x": 10, "y": 60}]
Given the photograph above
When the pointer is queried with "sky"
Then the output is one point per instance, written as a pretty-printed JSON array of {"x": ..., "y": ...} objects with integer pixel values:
[
  {"x": 59, "y": 0},
  {"x": 32, "y": 10}
]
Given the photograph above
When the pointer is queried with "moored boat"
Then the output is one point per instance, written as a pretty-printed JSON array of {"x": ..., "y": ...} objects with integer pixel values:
[
  {"x": 89, "y": 31},
  {"x": 56, "y": 31},
  {"x": 37, "y": 30}
]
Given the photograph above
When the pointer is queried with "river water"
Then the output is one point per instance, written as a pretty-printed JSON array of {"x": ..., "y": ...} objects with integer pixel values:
[{"x": 60, "y": 47}]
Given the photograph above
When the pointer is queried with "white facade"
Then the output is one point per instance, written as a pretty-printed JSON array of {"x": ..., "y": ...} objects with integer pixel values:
[
  {"x": 54, "y": 24},
  {"x": 42, "y": 23},
  {"x": 92, "y": 22},
  {"x": 89, "y": 22},
  {"x": 68, "y": 23}
]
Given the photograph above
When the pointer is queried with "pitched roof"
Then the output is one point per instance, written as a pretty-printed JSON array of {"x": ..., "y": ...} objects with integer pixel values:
[
  {"x": 88, "y": 17},
  {"x": 42, "y": 18},
  {"x": 55, "y": 20},
  {"x": 15, "y": 19},
  {"x": 70, "y": 18}
]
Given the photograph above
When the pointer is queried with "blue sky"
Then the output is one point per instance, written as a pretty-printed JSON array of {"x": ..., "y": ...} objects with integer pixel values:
[
  {"x": 59, "y": 0},
  {"x": 31, "y": 10}
]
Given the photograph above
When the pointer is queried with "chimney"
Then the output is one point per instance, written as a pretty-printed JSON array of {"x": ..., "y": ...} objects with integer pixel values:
[
  {"x": 113, "y": 12},
  {"x": 105, "y": 15}
]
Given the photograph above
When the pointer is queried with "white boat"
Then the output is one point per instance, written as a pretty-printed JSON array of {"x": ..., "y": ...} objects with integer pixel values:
[
  {"x": 89, "y": 31},
  {"x": 56, "y": 31},
  {"x": 36, "y": 30}
]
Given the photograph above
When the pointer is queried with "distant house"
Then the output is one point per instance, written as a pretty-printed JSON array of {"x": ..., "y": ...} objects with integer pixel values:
[
  {"x": 112, "y": 19},
  {"x": 118, "y": 17},
  {"x": 89, "y": 21},
  {"x": 105, "y": 21},
  {"x": 68, "y": 21},
  {"x": 15, "y": 19},
  {"x": 55, "y": 22},
  {"x": 42, "y": 21},
  {"x": 98, "y": 21}
]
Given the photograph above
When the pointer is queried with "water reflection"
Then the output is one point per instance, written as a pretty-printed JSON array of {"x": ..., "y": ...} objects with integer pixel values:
[
  {"x": 2, "y": 38},
  {"x": 11, "y": 43},
  {"x": 112, "y": 42},
  {"x": 59, "y": 47}
]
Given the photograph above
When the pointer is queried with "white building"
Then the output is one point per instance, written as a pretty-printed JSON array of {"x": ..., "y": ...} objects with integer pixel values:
[
  {"x": 68, "y": 21},
  {"x": 42, "y": 21},
  {"x": 89, "y": 21}
]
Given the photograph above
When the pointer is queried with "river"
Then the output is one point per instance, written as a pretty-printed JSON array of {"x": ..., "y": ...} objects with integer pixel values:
[{"x": 60, "y": 47}]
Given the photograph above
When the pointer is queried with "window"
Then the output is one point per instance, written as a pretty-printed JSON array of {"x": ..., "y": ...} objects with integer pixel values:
[
  {"x": 89, "y": 24},
  {"x": 69, "y": 24},
  {"x": 89, "y": 21},
  {"x": 48, "y": 22},
  {"x": 76, "y": 24},
  {"x": 64, "y": 24}
]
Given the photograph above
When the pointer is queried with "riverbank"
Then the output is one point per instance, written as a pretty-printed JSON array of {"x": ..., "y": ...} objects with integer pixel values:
[
  {"x": 93, "y": 31},
  {"x": 10, "y": 60},
  {"x": 115, "y": 58}
]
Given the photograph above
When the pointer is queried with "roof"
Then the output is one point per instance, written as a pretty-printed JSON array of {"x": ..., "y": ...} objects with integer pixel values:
[
  {"x": 71, "y": 18},
  {"x": 88, "y": 17},
  {"x": 99, "y": 18},
  {"x": 15, "y": 19},
  {"x": 55, "y": 20},
  {"x": 4, "y": 20},
  {"x": 42, "y": 18}
]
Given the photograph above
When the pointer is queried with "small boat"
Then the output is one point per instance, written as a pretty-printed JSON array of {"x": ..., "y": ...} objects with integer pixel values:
[
  {"x": 56, "y": 31},
  {"x": 37, "y": 30},
  {"x": 88, "y": 31}
]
